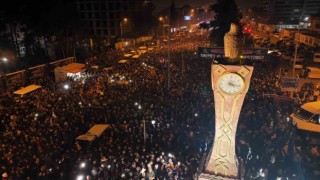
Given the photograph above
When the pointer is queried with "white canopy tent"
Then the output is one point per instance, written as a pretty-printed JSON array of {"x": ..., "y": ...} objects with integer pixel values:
[
  {"x": 127, "y": 55},
  {"x": 61, "y": 73},
  {"x": 135, "y": 56},
  {"x": 94, "y": 132},
  {"x": 142, "y": 48},
  {"x": 26, "y": 90},
  {"x": 122, "y": 61}
]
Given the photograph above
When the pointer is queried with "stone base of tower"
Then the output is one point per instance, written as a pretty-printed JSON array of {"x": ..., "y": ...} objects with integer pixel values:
[{"x": 205, "y": 176}]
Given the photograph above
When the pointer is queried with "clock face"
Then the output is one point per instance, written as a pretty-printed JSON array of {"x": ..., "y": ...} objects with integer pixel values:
[{"x": 231, "y": 83}]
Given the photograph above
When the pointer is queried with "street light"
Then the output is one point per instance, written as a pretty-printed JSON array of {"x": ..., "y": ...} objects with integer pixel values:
[
  {"x": 4, "y": 59},
  {"x": 125, "y": 20},
  {"x": 162, "y": 20},
  {"x": 297, "y": 38}
]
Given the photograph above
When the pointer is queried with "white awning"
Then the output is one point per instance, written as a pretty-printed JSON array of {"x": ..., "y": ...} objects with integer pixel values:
[
  {"x": 27, "y": 89},
  {"x": 127, "y": 55},
  {"x": 135, "y": 56},
  {"x": 94, "y": 132},
  {"x": 142, "y": 47},
  {"x": 122, "y": 61}
]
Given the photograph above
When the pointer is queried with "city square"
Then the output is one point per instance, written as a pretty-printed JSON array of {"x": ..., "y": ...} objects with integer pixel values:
[{"x": 145, "y": 106}]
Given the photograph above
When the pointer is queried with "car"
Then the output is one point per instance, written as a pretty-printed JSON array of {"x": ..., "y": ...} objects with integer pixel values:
[{"x": 314, "y": 72}]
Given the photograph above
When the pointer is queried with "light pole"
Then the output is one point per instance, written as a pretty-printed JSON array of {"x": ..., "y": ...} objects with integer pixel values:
[
  {"x": 4, "y": 60},
  {"x": 162, "y": 21},
  {"x": 125, "y": 20},
  {"x": 144, "y": 123},
  {"x": 297, "y": 38}
]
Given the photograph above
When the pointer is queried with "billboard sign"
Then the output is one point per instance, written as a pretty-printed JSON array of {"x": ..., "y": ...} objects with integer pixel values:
[
  {"x": 187, "y": 18},
  {"x": 289, "y": 84},
  {"x": 218, "y": 52}
]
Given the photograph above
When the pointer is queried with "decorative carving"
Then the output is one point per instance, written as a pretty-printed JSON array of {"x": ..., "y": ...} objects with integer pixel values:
[{"x": 243, "y": 71}]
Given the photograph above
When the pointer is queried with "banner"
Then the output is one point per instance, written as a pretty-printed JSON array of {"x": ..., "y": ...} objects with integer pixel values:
[
  {"x": 218, "y": 52},
  {"x": 289, "y": 83}
]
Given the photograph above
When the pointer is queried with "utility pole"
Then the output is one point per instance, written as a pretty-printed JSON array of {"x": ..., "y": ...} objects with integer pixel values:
[
  {"x": 295, "y": 53},
  {"x": 296, "y": 48},
  {"x": 182, "y": 68},
  {"x": 169, "y": 57},
  {"x": 144, "y": 132}
]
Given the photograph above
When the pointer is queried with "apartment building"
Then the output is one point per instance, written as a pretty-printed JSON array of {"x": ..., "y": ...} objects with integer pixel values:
[{"x": 109, "y": 18}]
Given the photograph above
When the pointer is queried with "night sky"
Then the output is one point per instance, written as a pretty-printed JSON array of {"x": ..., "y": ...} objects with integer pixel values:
[{"x": 161, "y": 4}]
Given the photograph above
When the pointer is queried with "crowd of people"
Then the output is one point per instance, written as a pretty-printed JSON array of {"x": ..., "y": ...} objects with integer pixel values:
[{"x": 38, "y": 131}]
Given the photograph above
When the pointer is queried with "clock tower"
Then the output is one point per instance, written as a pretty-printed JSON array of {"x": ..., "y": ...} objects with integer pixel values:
[{"x": 230, "y": 83}]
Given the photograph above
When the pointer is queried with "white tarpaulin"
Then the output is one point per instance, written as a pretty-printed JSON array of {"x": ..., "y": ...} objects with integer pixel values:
[
  {"x": 27, "y": 89},
  {"x": 94, "y": 132},
  {"x": 135, "y": 56},
  {"x": 61, "y": 73},
  {"x": 122, "y": 61},
  {"x": 127, "y": 55}
]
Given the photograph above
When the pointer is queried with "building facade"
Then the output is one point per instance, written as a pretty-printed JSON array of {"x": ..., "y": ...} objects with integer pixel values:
[
  {"x": 291, "y": 11},
  {"x": 109, "y": 18}
]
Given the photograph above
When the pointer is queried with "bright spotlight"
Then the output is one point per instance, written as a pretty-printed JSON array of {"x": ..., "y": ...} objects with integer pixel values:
[
  {"x": 80, "y": 177},
  {"x": 170, "y": 155},
  {"x": 4, "y": 59},
  {"x": 36, "y": 115},
  {"x": 66, "y": 86},
  {"x": 136, "y": 104},
  {"x": 139, "y": 107},
  {"x": 82, "y": 165},
  {"x": 196, "y": 114},
  {"x": 153, "y": 122}
]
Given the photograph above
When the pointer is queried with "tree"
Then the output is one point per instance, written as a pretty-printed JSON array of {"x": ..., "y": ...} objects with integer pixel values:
[
  {"x": 173, "y": 15},
  {"x": 43, "y": 20},
  {"x": 143, "y": 18},
  {"x": 227, "y": 12}
]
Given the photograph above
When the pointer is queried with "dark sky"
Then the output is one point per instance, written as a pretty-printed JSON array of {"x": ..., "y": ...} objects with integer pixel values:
[{"x": 161, "y": 4}]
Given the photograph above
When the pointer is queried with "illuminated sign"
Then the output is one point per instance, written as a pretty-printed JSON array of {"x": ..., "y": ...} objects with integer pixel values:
[
  {"x": 187, "y": 18},
  {"x": 218, "y": 52}
]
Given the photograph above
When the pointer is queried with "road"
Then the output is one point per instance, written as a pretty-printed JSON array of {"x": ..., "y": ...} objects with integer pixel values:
[
  {"x": 262, "y": 34},
  {"x": 286, "y": 64}
]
